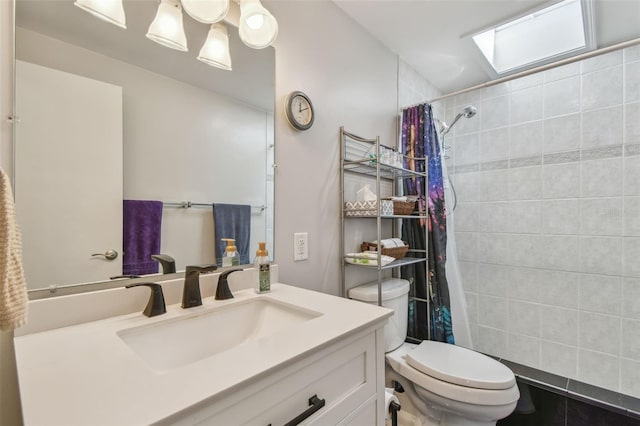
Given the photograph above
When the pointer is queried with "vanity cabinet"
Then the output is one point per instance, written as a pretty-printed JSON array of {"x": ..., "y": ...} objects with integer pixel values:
[
  {"x": 360, "y": 158},
  {"x": 345, "y": 376}
]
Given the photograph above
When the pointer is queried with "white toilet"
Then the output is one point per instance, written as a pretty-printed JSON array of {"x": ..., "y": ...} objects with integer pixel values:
[{"x": 447, "y": 384}]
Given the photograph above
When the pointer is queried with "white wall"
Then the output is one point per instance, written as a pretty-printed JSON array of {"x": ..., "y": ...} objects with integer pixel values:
[
  {"x": 178, "y": 150},
  {"x": 352, "y": 81}
]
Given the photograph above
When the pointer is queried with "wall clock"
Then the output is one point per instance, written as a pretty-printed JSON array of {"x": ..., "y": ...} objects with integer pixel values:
[{"x": 299, "y": 110}]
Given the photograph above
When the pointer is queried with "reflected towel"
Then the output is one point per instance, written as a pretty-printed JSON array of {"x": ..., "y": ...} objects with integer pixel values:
[
  {"x": 141, "y": 227},
  {"x": 13, "y": 287},
  {"x": 232, "y": 221}
]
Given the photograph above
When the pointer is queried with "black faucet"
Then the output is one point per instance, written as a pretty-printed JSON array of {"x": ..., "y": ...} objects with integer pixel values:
[
  {"x": 168, "y": 263},
  {"x": 222, "y": 290},
  {"x": 191, "y": 293},
  {"x": 156, "y": 305}
]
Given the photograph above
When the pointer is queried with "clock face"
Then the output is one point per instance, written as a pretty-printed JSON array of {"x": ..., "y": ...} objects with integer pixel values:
[{"x": 299, "y": 111}]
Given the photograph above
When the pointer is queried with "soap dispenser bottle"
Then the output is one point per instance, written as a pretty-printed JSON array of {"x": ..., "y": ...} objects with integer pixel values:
[
  {"x": 231, "y": 256},
  {"x": 262, "y": 265}
]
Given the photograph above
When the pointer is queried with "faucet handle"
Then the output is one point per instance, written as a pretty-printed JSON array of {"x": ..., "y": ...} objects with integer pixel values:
[
  {"x": 156, "y": 305},
  {"x": 168, "y": 263},
  {"x": 222, "y": 290}
]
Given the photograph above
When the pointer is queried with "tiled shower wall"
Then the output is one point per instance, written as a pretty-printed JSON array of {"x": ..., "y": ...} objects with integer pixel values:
[{"x": 547, "y": 176}]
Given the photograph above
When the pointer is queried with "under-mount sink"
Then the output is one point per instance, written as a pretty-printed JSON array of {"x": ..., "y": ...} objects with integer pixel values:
[{"x": 176, "y": 342}]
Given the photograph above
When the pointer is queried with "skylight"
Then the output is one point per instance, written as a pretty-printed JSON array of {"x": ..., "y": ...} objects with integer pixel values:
[{"x": 546, "y": 34}]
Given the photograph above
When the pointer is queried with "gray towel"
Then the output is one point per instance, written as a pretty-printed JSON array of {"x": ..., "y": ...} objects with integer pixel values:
[{"x": 232, "y": 221}]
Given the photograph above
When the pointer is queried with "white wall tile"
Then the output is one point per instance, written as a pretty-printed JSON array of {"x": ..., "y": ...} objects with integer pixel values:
[
  {"x": 526, "y": 105},
  {"x": 558, "y": 73},
  {"x": 492, "y": 311},
  {"x": 560, "y": 252},
  {"x": 467, "y": 149},
  {"x": 466, "y": 217},
  {"x": 526, "y": 140},
  {"x": 602, "y": 61},
  {"x": 632, "y": 53},
  {"x": 467, "y": 245},
  {"x": 494, "y": 185},
  {"x": 492, "y": 217},
  {"x": 466, "y": 185},
  {"x": 469, "y": 275},
  {"x": 631, "y": 298},
  {"x": 601, "y": 216},
  {"x": 492, "y": 341},
  {"x": 525, "y": 183},
  {"x": 524, "y": 318},
  {"x": 599, "y": 333},
  {"x": 600, "y": 255},
  {"x": 562, "y": 97},
  {"x": 472, "y": 307},
  {"x": 562, "y": 180},
  {"x": 632, "y": 123},
  {"x": 631, "y": 185},
  {"x": 559, "y": 325},
  {"x": 631, "y": 254},
  {"x": 602, "y": 88},
  {"x": 524, "y": 250},
  {"x": 523, "y": 350},
  {"x": 598, "y": 369},
  {"x": 468, "y": 125},
  {"x": 496, "y": 90},
  {"x": 559, "y": 288},
  {"x": 630, "y": 344},
  {"x": 601, "y": 178},
  {"x": 562, "y": 133},
  {"x": 559, "y": 359},
  {"x": 493, "y": 279},
  {"x": 467, "y": 98},
  {"x": 526, "y": 82},
  {"x": 495, "y": 112},
  {"x": 493, "y": 248},
  {"x": 494, "y": 144},
  {"x": 632, "y": 82},
  {"x": 600, "y": 293},
  {"x": 523, "y": 217},
  {"x": 630, "y": 377},
  {"x": 602, "y": 127},
  {"x": 524, "y": 284},
  {"x": 561, "y": 216}
]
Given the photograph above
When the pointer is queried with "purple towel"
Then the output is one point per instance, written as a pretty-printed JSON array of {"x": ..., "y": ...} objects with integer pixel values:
[{"x": 141, "y": 225}]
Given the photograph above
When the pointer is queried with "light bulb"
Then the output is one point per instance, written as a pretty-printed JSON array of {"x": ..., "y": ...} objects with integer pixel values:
[{"x": 255, "y": 22}]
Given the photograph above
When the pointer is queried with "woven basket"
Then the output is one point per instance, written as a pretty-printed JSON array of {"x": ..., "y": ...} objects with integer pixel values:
[
  {"x": 403, "y": 207},
  {"x": 395, "y": 252}
]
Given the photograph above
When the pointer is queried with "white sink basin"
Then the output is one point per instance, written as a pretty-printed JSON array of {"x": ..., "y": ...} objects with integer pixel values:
[{"x": 176, "y": 342}]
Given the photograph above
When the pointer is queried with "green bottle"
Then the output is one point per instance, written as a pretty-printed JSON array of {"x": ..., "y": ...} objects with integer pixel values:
[{"x": 262, "y": 265}]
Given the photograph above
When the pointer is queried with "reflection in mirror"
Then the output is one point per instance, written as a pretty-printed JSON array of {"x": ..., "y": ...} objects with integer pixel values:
[{"x": 108, "y": 115}]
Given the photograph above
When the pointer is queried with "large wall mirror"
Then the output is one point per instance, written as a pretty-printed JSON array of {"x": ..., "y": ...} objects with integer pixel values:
[{"x": 108, "y": 115}]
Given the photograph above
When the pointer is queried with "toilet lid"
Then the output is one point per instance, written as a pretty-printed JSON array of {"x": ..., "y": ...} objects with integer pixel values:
[{"x": 461, "y": 366}]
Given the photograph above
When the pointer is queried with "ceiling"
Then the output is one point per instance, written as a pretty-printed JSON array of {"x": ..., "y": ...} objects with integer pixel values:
[{"x": 431, "y": 35}]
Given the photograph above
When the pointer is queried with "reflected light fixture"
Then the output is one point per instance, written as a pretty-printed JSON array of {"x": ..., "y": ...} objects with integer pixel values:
[
  {"x": 215, "y": 51},
  {"x": 111, "y": 11},
  {"x": 206, "y": 11},
  {"x": 167, "y": 27},
  {"x": 258, "y": 28}
]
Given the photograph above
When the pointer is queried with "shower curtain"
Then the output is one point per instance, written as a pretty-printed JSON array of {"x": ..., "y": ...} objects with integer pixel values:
[{"x": 419, "y": 139}]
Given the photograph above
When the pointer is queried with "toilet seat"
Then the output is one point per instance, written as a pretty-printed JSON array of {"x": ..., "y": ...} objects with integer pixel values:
[
  {"x": 398, "y": 360},
  {"x": 460, "y": 366}
]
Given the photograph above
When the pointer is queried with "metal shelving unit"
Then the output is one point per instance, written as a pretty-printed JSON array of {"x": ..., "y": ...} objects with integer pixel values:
[{"x": 359, "y": 156}]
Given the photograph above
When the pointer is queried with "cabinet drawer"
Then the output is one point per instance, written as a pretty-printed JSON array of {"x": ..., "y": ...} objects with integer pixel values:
[{"x": 345, "y": 378}]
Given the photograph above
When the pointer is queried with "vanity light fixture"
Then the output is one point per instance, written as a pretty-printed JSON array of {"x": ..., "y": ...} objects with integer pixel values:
[
  {"x": 206, "y": 11},
  {"x": 258, "y": 28},
  {"x": 167, "y": 28},
  {"x": 215, "y": 50},
  {"x": 111, "y": 11}
]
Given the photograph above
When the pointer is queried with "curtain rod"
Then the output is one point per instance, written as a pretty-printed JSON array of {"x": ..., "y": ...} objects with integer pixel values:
[{"x": 545, "y": 67}]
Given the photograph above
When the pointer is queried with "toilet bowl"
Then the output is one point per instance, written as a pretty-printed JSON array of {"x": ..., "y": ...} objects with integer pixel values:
[{"x": 447, "y": 384}]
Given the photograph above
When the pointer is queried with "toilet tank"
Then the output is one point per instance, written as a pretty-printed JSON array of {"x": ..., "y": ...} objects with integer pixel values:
[{"x": 394, "y": 296}]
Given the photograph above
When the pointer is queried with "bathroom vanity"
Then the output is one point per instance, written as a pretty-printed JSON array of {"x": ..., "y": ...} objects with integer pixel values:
[{"x": 254, "y": 359}]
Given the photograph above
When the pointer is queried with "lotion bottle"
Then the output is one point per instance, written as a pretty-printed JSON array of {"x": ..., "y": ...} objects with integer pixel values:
[
  {"x": 231, "y": 256},
  {"x": 262, "y": 266}
]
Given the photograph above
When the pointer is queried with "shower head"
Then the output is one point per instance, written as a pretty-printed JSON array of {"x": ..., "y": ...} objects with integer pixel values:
[{"x": 467, "y": 112}]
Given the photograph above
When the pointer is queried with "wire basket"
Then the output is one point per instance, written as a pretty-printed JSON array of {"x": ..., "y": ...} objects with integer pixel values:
[{"x": 395, "y": 252}]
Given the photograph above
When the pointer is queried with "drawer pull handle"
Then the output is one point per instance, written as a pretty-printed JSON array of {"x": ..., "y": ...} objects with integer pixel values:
[{"x": 314, "y": 405}]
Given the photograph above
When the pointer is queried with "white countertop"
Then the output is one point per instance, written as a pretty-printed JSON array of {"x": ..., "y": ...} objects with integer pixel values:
[{"x": 84, "y": 374}]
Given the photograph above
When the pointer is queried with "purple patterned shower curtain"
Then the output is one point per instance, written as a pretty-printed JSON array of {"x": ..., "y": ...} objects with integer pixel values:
[{"x": 419, "y": 139}]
